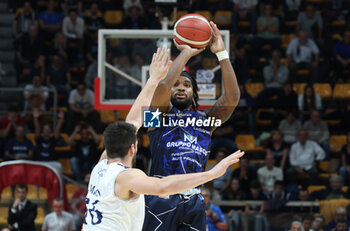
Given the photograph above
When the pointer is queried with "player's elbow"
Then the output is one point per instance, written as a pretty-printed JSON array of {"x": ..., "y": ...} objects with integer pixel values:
[{"x": 233, "y": 99}]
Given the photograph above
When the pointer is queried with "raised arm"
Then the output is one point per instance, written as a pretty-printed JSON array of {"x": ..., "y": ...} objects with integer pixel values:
[
  {"x": 225, "y": 105},
  {"x": 36, "y": 114},
  {"x": 158, "y": 69},
  {"x": 59, "y": 124},
  {"x": 137, "y": 181},
  {"x": 161, "y": 97}
]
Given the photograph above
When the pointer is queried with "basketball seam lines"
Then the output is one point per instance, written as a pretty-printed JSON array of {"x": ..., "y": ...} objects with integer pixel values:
[{"x": 194, "y": 28}]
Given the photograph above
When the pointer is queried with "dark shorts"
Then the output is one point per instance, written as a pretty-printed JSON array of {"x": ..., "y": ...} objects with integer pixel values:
[{"x": 178, "y": 213}]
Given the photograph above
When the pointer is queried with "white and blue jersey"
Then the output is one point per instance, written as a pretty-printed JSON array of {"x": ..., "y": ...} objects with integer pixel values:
[
  {"x": 180, "y": 149},
  {"x": 106, "y": 211}
]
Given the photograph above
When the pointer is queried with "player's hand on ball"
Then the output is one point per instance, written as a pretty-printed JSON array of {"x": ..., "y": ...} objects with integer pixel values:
[
  {"x": 216, "y": 44},
  {"x": 221, "y": 167},
  {"x": 192, "y": 51},
  {"x": 160, "y": 64}
]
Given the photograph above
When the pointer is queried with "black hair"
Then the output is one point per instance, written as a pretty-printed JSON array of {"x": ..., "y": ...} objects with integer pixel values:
[
  {"x": 279, "y": 182},
  {"x": 195, "y": 104},
  {"x": 118, "y": 138},
  {"x": 255, "y": 184},
  {"x": 341, "y": 221},
  {"x": 57, "y": 199},
  {"x": 308, "y": 217},
  {"x": 13, "y": 109},
  {"x": 23, "y": 186}
]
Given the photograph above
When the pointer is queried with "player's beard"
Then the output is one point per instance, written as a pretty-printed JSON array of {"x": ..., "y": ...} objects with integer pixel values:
[{"x": 181, "y": 104}]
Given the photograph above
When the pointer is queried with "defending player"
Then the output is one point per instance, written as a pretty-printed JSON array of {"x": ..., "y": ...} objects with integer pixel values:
[
  {"x": 115, "y": 198},
  {"x": 181, "y": 149}
]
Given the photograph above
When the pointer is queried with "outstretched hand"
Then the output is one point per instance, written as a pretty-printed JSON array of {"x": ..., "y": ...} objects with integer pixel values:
[
  {"x": 160, "y": 64},
  {"x": 192, "y": 51},
  {"x": 221, "y": 167},
  {"x": 216, "y": 43}
]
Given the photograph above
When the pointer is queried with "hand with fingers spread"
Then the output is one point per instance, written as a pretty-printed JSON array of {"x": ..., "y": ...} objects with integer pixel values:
[
  {"x": 216, "y": 44},
  {"x": 184, "y": 47},
  {"x": 160, "y": 64},
  {"x": 221, "y": 167}
]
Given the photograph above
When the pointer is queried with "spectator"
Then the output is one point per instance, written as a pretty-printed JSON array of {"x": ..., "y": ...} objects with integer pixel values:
[
  {"x": 23, "y": 20},
  {"x": 341, "y": 54},
  {"x": 224, "y": 136},
  {"x": 81, "y": 102},
  {"x": 317, "y": 222},
  {"x": 308, "y": 102},
  {"x": 134, "y": 19},
  {"x": 307, "y": 221},
  {"x": 22, "y": 212},
  {"x": 235, "y": 215},
  {"x": 50, "y": 21},
  {"x": 58, "y": 219},
  {"x": 341, "y": 225},
  {"x": 244, "y": 10},
  {"x": 85, "y": 150},
  {"x": 90, "y": 75},
  {"x": 129, "y": 4},
  {"x": 311, "y": 22},
  {"x": 73, "y": 26},
  {"x": 234, "y": 192},
  {"x": 303, "y": 156},
  {"x": 35, "y": 95},
  {"x": 300, "y": 54},
  {"x": 222, "y": 183},
  {"x": 143, "y": 155},
  {"x": 288, "y": 101},
  {"x": 256, "y": 218},
  {"x": 215, "y": 217},
  {"x": 95, "y": 20},
  {"x": 340, "y": 214},
  {"x": 245, "y": 174},
  {"x": 59, "y": 46},
  {"x": 290, "y": 127},
  {"x": 33, "y": 69},
  {"x": 244, "y": 110},
  {"x": 19, "y": 147},
  {"x": 267, "y": 30},
  {"x": 45, "y": 143},
  {"x": 58, "y": 77},
  {"x": 292, "y": 9},
  {"x": 269, "y": 174},
  {"x": 279, "y": 193},
  {"x": 318, "y": 131},
  {"x": 77, "y": 203},
  {"x": 91, "y": 48},
  {"x": 28, "y": 48},
  {"x": 334, "y": 191},
  {"x": 296, "y": 226},
  {"x": 241, "y": 63},
  {"x": 10, "y": 122},
  {"x": 275, "y": 75},
  {"x": 303, "y": 195},
  {"x": 345, "y": 160},
  {"x": 278, "y": 149}
]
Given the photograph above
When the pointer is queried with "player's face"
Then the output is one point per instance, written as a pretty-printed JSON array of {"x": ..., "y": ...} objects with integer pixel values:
[{"x": 182, "y": 93}]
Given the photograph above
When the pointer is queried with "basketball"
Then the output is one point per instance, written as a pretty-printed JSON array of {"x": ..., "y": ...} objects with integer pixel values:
[{"x": 193, "y": 30}]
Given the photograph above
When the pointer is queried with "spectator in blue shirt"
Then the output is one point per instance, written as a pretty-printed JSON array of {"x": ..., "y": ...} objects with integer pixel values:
[
  {"x": 45, "y": 143},
  {"x": 342, "y": 57},
  {"x": 50, "y": 21},
  {"x": 216, "y": 220},
  {"x": 19, "y": 147}
]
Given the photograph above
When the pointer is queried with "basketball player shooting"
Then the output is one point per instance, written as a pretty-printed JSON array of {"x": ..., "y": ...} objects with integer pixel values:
[
  {"x": 115, "y": 198},
  {"x": 183, "y": 149}
]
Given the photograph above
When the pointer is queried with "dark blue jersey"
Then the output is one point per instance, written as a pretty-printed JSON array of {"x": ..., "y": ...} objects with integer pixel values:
[{"x": 180, "y": 149}]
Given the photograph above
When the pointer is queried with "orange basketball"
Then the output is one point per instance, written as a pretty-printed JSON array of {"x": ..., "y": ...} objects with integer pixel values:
[{"x": 193, "y": 30}]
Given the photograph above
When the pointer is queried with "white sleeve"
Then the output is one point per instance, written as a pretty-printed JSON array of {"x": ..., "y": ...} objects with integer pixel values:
[
  {"x": 291, "y": 47},
  {"x": 65, "y": 30},
  {"x": 320, "y": 154},
  {"x": 318, "y": 101},
  {"x": 313, "y": 46},
  {"x": 292, "y": 155},
  {"x": 280, "y": 174},
  {"x": 80, "y": 29},
  {"x": 71, "y": 97},
  {"x": 300, "y": 102}
]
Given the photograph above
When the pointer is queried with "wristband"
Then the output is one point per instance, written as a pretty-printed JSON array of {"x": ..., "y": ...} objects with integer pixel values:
[{"x": 222, "y": 55}]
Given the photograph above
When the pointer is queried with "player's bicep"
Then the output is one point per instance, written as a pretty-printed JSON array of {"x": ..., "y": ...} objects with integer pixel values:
[{"x": 221, "y": 110}]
